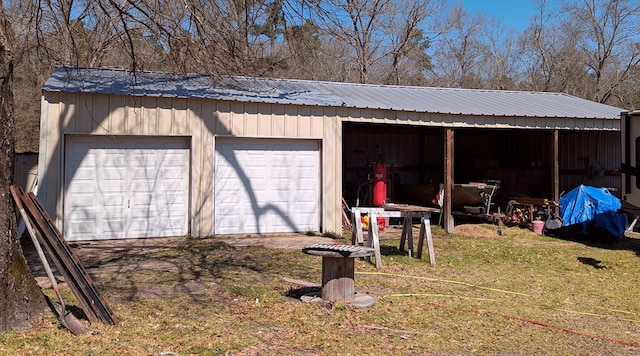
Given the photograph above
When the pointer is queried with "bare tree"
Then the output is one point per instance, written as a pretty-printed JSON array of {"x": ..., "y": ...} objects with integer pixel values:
[
  {"x": 538, "y": 66},
  {"x": 458, "y": 53},
  {"x": 361, "y": 30},
  {"x": 550, "y": 55},
  {"x": 380, "y": 33},
  {"x": 79, "y": 33},
  {"x": 627, "y": 95},
  {"x": 408, "y": 40},
  {"x": 586, "y": 48},
  {"x": 608, "y": 36},
  {"x": 21, "y": 300},
  {"x": 499, "y": 65},
  {"x": 235, "y": 36}
]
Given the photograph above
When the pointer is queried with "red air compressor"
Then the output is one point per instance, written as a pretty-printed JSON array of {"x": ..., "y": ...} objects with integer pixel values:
[{"x": 379, "y": 184}]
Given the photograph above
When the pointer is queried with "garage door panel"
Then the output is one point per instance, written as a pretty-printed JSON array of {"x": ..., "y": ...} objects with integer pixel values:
[
  {"x": 306, "y": 173},
  {"x": 170, "y": 176},
  {"x": 115, "y": 224},
  {"x": 113, "y": 200},
  {"x": 145, "y": 158},
  {"x": 126, "y": 179},
  {"x": 141, "y": 200},
  {"x": 85, "y": 173},
  {"x": 112, "y": 173},
  {"x": 139, "y": 228},
  {"x": 281, "y": 172},
  {"x": 169, "y": 199},
  {"x": 85, "y": 189},
  {"x": 172, "y": 158},
  {"x": 82, "y": 204},
  {"x": 306, "y": 195},
  {"x": 83, "y": 230},
  {"x": 84, "y": 215},
  {"x": 257, "y": 185},
  {"x": 142, "y": 174},
  {"x": 112, "y": 158}
]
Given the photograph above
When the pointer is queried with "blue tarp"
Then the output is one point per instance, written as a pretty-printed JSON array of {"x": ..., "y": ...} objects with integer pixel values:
[{"x": 593, "y": 209}]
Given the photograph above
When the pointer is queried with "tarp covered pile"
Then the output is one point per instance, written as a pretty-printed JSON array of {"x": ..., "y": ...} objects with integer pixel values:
[{"x": 592, "y": 211}]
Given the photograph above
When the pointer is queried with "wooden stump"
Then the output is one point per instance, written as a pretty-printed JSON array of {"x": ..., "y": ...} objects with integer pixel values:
[{"x": 338, "y": 279}]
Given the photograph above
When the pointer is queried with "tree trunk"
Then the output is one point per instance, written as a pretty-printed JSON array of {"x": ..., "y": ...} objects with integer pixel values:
[{"x": 21, "y": 300}]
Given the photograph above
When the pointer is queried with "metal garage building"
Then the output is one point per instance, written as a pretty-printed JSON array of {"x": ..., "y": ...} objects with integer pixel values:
[{"x": 148, "y": 154}]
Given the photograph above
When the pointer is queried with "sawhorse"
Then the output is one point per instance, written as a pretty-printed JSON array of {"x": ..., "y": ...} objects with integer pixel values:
[{"x": 407, "y": 213}]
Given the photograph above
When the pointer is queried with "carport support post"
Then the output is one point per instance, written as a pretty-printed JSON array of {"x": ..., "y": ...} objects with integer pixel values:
[
  {"x": 555, "y": 174},
  {"x": 448, "y": 180}
]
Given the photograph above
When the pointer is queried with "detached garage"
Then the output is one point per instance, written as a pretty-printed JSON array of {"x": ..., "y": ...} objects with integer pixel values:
[
  {"x": 153, "y": 155},
  {"x": 134, "y": 155}
]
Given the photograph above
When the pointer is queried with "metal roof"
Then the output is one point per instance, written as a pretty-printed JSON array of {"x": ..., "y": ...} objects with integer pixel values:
[{"x": 475, "y": 102}]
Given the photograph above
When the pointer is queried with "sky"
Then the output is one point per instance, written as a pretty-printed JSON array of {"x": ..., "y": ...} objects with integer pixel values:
[{"x": 512, "y": 13}]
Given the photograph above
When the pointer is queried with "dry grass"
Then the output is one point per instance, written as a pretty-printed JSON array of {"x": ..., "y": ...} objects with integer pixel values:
[{"x": 513, "y": 294}]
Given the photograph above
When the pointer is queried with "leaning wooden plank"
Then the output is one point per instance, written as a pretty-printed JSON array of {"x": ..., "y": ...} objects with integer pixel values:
[
  {"x": 79, "y": 277},
  {"x": 66, "y": 319},
  {"x": 65, "y": 270},
  {"x": 82, "y": 277}
]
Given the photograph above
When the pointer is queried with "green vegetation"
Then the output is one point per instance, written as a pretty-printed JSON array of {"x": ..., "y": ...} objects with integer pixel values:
[
  {"x": 513, "y": 294},
  {"x": 330, "y": 234}
]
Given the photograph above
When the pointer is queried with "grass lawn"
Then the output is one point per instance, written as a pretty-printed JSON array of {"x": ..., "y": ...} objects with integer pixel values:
[{"x": 515, "y": 294}]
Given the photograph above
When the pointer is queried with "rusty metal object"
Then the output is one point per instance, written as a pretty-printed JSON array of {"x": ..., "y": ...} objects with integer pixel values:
[{"x": 67, "y": 264}]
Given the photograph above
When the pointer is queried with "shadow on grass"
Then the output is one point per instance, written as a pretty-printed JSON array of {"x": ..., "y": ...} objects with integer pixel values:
[
  {"x": 387, "y": 250},
  {"x": 203, "y": 270},
  {"x": 596, "y": 238},
  {"x": 592, "y": 262},
  {"x": 297, "y": 293}
]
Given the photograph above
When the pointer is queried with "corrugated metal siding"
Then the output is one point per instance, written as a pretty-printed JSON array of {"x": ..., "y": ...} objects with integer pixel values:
[
  {"x": 526, "y": 149},
  {"x": 507, "y": 105},
  {"x": 26, "y": 170},
  {"x": 401, "y": 151},
  {"x": 412, "y": 156},
  {"x": 602, "y": 149},
  {"x": 481, "y": 122},
  {"x": 202, "y": 120}
]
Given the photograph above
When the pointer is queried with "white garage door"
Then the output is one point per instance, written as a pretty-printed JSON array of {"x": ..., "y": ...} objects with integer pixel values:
[
  {"x": 266, "y": 186},
  {"x": 125, "y": 187}
]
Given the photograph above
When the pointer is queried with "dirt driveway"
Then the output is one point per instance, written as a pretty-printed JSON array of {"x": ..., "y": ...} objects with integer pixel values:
[
  {"x": 117, "y": 254},
  {"x": 95, "y": 254},
  {"x": 131, "y": 269}
]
